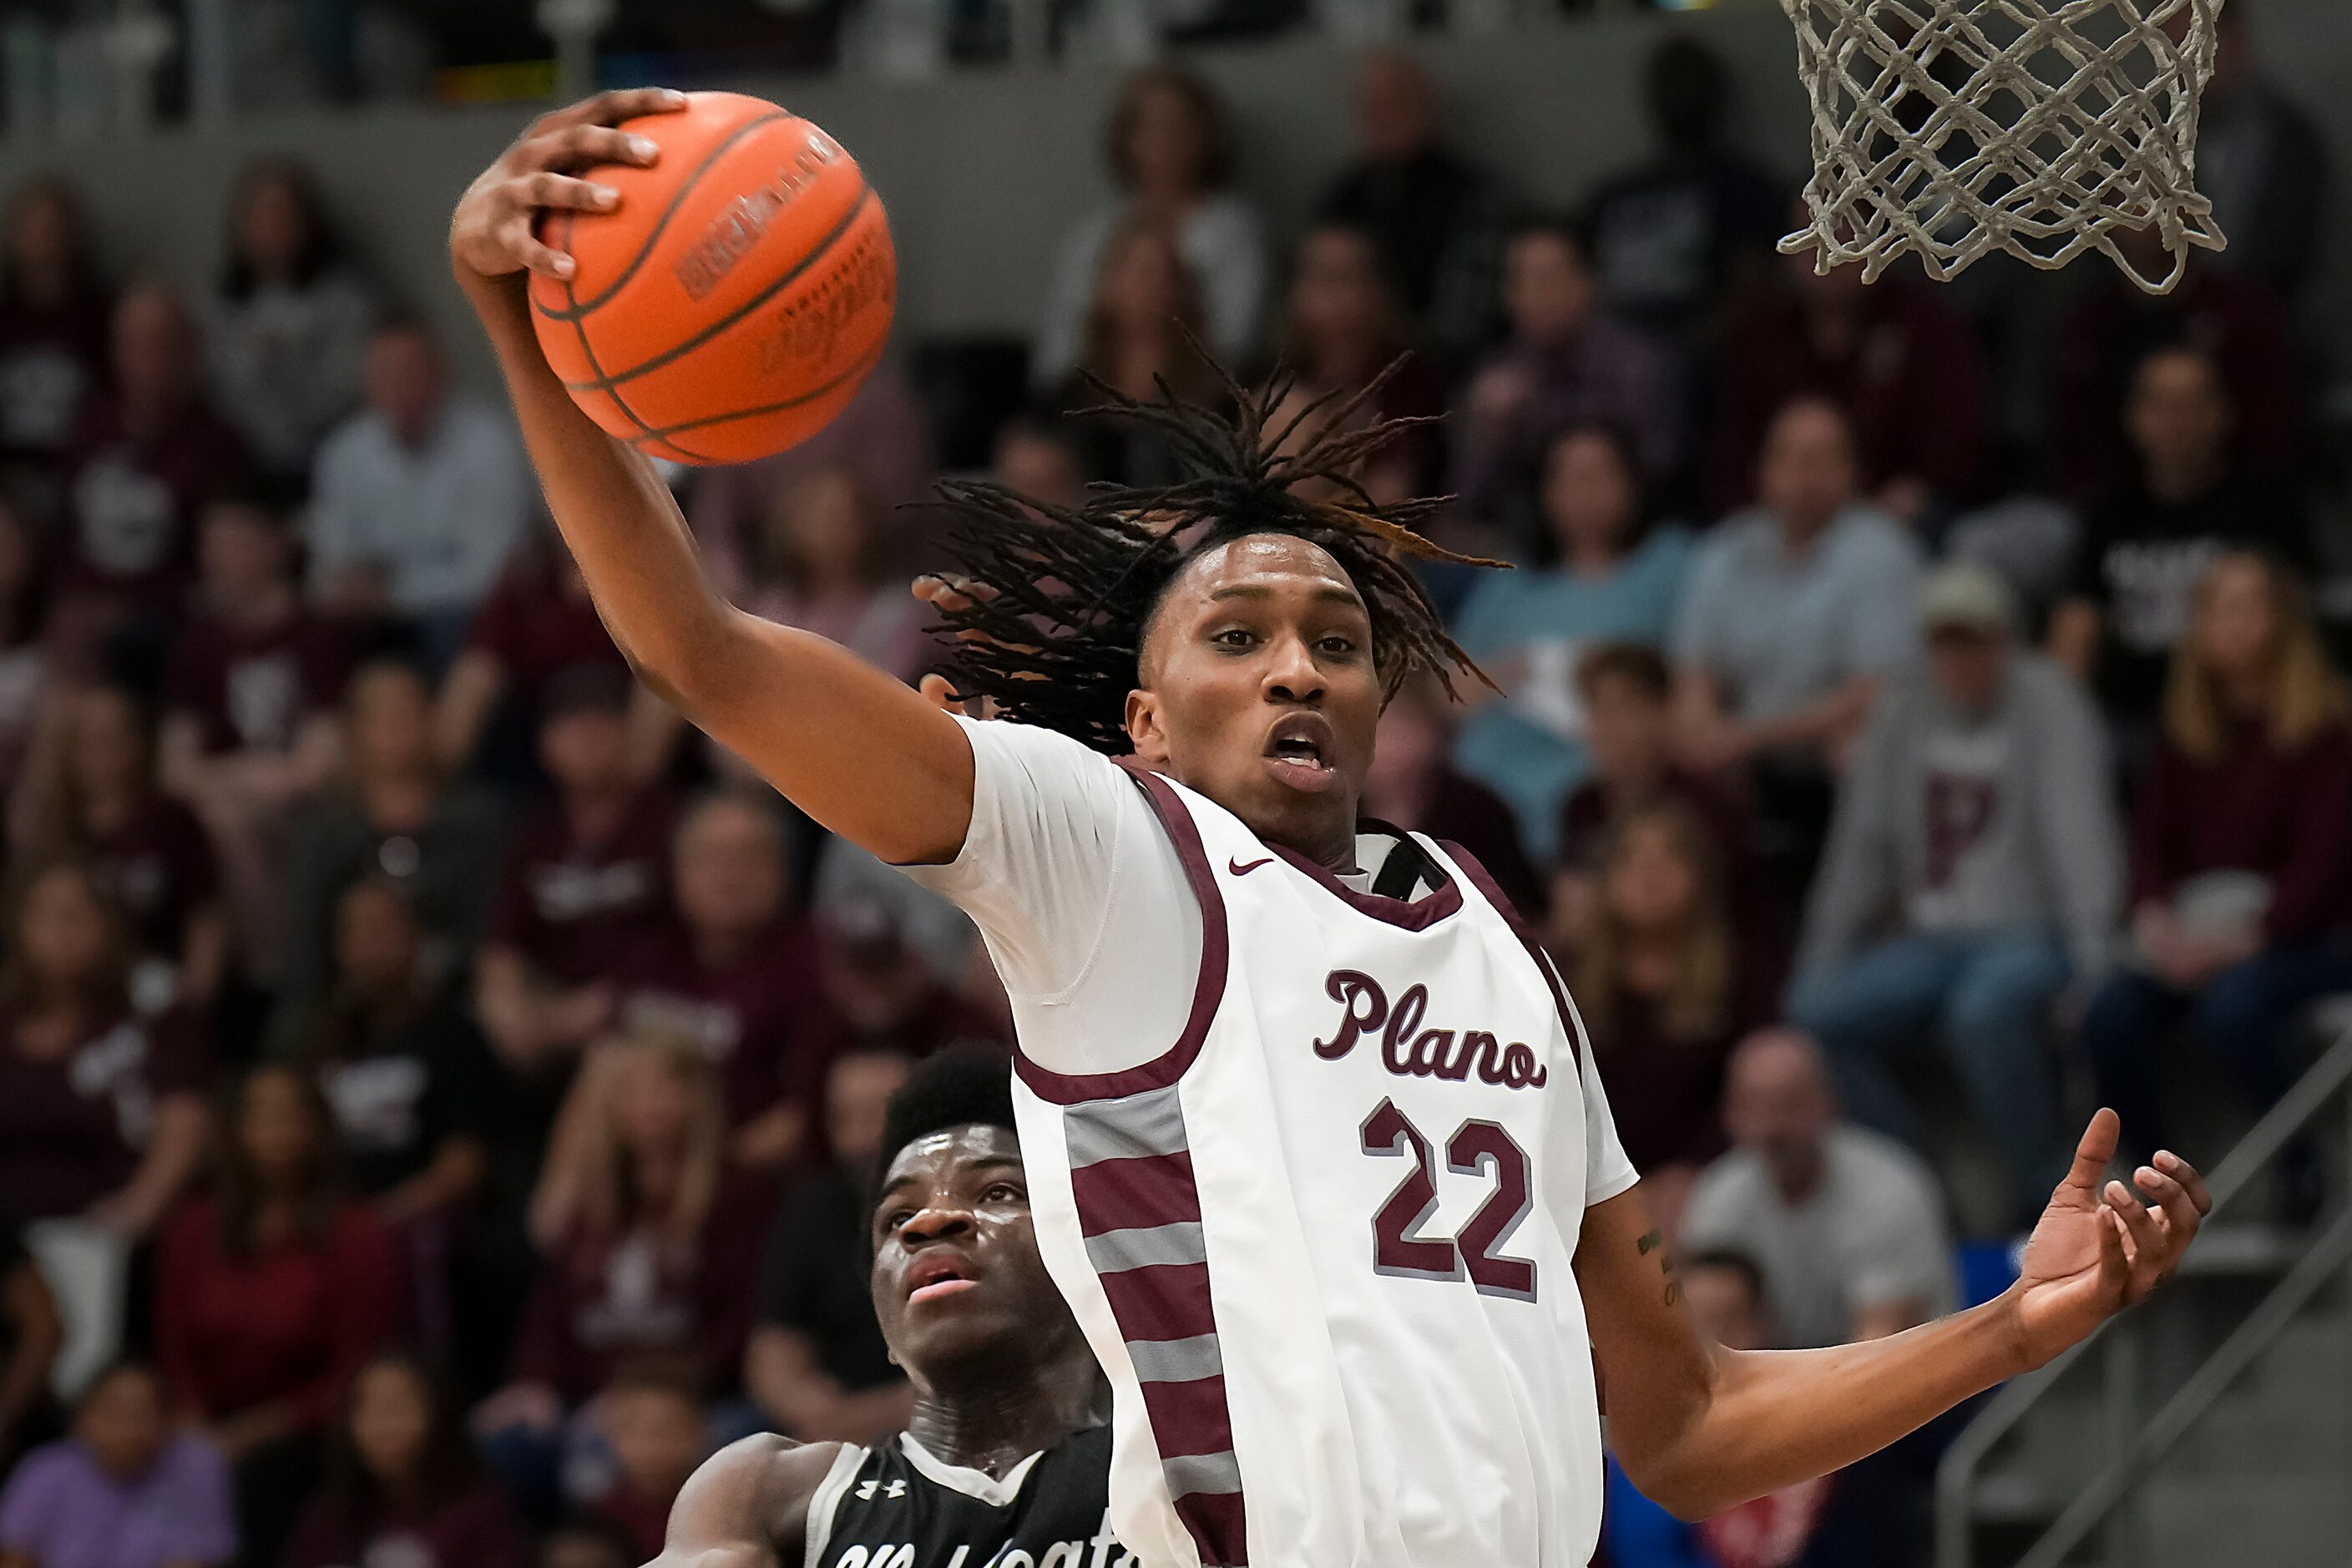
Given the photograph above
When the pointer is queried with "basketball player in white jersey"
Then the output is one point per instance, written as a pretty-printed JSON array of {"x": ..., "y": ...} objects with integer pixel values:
[{"x": 1316, "y": 1153}]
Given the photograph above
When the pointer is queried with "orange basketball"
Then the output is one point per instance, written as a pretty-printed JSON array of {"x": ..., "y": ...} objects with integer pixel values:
[{"x": 734, "y": 301}]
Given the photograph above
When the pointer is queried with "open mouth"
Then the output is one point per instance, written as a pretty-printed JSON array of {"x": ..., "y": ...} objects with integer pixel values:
[
  {"x": 938, "y": 1274},
  {"x": 1300, "y": 750}
]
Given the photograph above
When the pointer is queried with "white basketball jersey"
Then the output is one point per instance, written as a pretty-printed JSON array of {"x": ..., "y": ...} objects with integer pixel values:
[{"x": 1321, "y": 1245}]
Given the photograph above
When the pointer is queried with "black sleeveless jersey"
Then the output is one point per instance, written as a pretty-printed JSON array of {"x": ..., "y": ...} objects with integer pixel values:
[{"x": 896, "y": 1506}]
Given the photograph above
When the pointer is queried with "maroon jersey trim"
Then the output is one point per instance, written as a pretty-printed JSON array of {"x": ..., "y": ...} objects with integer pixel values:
[
  {"x": 1207, "y": 990},
  {"x": 1406, "y": 914},
  {"x": 1526, "y": 934}
]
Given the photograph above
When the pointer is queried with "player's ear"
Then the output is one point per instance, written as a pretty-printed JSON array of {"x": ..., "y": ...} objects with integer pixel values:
[{"x": 1147, "y": 727}]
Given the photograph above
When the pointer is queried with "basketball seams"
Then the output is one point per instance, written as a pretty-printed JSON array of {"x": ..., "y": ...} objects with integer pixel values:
[
  {"x": 840, "y": 231},
  {"x": 864, "y": 364},
  {"x": 578, "y": 320},
  {"x": 575, "y": 307}
]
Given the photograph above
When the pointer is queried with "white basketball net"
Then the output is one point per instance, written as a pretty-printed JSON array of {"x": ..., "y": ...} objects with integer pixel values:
[{"x": 1949, "y": 128}]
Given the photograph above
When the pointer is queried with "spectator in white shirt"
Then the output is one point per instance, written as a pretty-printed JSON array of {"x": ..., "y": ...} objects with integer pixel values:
[
  {"x": 419, "y": 499},
  {"x": 1847, "y": 1226},
  {"x": 1172, "y": 152}
]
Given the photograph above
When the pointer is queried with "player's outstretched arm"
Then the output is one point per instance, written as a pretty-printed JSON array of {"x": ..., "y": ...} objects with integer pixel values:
[
  {"x": 854, "y": 747},
  {"x": 1699, "y": 1428},
  {"x": 747, "y": 1506}
]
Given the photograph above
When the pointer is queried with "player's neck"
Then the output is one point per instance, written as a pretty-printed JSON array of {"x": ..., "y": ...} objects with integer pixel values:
[{"x": 993, "y": 1426}]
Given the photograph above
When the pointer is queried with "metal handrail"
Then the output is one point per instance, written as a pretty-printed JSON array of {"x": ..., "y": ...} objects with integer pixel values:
[{"x": 1955, "y": 1477}]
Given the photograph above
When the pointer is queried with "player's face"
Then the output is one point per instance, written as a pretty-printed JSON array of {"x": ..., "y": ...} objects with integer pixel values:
[
  {"x": 1259, "y": 690},
  {"x": 957, "y": 1279}
]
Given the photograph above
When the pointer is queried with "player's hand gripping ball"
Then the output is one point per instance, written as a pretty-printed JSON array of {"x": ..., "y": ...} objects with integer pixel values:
[{"x": 733, "y": 299}]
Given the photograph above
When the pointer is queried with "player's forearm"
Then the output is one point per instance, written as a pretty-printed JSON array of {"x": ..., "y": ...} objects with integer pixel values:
[
  {"x": 614, "y": 512},
  {"x": 1776, "y": 1418}
]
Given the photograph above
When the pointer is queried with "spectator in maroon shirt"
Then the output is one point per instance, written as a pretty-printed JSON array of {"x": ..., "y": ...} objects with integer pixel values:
[
  {"x": 101, "y": 1110},
  {"x": 2100, "y": 344},
  {"x": 1627, "y": 692},
  {"x": 2241, "y": 854},
  {"x": 538, "y": 624},
  {"x": 392, "y": 811},
  {"x": 737, "y": 976},
  {"x": 53, "y": 316},
  {"x": 585, "y": 882},
  {"x": 144, "y": 458},
  {"x": 653, "y": 1425},
  {"x": 249, "y": 726},
  {"x": 642, "y": 1246},
  {"x": 1904, "y": 366},
  {"x": 404, "y": 1484},
  {"x": 269, "y": 1294},
  {"x": 1566, "y": 362},
  {"x": 1413, "y": 786},
  {"x": 881, "y": 989},
  {"x": 1665, "y": 990},
  {"x": 90, "y": 792}
]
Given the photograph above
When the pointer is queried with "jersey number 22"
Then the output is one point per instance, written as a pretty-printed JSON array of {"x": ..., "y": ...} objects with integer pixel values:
[{"x": 1398, "y": 1248}]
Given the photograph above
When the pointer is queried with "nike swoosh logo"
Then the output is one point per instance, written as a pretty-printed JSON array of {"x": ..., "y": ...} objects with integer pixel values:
[{"x": 1238, "y": 870}]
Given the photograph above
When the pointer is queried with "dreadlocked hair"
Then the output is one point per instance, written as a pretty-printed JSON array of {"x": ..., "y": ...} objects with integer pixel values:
[{"x": 1049, "y": 618}]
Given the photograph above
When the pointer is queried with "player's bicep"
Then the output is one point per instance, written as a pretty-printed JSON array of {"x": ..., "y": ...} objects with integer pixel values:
[
  {"x": 747, "y": 1506},
  {"x": 859, "y": 750}
]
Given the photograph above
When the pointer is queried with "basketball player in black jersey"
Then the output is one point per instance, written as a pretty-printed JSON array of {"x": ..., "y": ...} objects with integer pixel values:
[{"x": 1003, "y": 1463}]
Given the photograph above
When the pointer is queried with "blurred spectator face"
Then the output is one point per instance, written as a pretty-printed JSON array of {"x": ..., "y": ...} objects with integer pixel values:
[
  {"x": 586, "y": 751},
  {"x": 403, "y": 381},
  {"x": 1143, "y": 283},
  {"x": 1408, "y": 749},
  {"x": 277, "y": 1128},
  {"x": 1650, "y": 885},
  {"x": 1165, "y": 151},
  {"x": 657, "y": 1435},
  {"x": 2235, "y": 627},
  {"x": 242, "y": 552},
  {"x": 2179, "y": 416},
  {"x": 275, "y": 229},
  {"x": 1723, "y": 1301},
  {"x": 822, "y": 530},
  {"x": 856, "y": 1099},
  {"x": 106, "y": 742},
  {"x": 155, "y": 350},
  {"x": 388, "y": 716},
  {"x": 730, "y": 869},
  {"x": 1337, "y": 301},
  {"x": 1588, "y": 494},
  {"x": 1043, "y": 469},
  {"x": 1547, "y": 289},
  {"x": 1396, "y": 107},
  {"x": 652, "y": 1100},
  {"x": 1967, "y": 664},
  {"x": 1808, "y": 474},
  {"x": 63, "y": 931},
  {"x": 392, "y": 1413},
  {"x": 377, "y": 944},
  {"x": 44, "y": 241},
  {"x": 121, "y": 1421},
  {"x": 1777, "y": 1101},
  {"x": 1625, "y": 728}
]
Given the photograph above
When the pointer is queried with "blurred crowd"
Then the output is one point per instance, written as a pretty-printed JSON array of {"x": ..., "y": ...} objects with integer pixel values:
[{"x": 437, "y": 1089}]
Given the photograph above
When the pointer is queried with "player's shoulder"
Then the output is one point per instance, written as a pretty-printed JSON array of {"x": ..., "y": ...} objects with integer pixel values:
[{"x": 753, "y": 1493}]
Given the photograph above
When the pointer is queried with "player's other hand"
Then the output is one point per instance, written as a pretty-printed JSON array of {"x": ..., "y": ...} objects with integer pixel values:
[
  {"x": 2099, "y": 1249},
  {"x": 491, "y": 233}
]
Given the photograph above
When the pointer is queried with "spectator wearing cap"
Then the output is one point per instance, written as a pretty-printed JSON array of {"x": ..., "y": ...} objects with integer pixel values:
[
  {"x": 1973, "y": 874},
  {"x": 418, "y": 501},
  {"x": 816, "y": 1363},
  {"x": 1791, "y": 613},
  {"x": 1565, "y": 360},
  {"x": 1847, "y": 1225},
  {"x": 250, "y": 727},
  {"x": 585, "y": 882},
  {"x": 538, "y": 624},
  {"x": 735, "y": 973},
  {"x": 2190, "y": 497}
]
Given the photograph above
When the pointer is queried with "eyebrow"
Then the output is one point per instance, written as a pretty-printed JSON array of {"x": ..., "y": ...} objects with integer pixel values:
[
  {"x": 1332, "y": 591},
  {"x": 985, "y": 1162}
]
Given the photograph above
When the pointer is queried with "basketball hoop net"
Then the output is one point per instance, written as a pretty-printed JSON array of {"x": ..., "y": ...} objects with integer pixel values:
[{"x": 1949, "y": 128}]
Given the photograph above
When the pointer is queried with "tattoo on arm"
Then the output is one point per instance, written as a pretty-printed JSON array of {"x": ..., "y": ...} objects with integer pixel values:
[{"x": 1655, "y": 1241}]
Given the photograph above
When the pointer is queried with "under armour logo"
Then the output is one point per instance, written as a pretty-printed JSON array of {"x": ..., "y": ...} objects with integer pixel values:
[{"x": 866, "y": 1492}]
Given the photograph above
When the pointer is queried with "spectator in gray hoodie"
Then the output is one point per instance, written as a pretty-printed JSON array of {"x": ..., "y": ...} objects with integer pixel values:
[{"x": 1974, "y": 872}]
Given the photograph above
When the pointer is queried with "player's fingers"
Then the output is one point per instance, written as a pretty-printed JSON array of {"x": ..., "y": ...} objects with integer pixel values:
[
  {"x": 610, "y": 108},
  {"x": 2173, "y": 1204},
  {"x": 536, "y": 255},
  {"x": 2141, "y": 1230},
  {"x": 546, "y": 190},
  {"x": 941, "y": 692},
  {"x": 2091, "y": 1155},
  {"x": 575, "y": 147},
  {"x": 2187, "y": 1174},
  {"x": 2115, "y": 1267}
]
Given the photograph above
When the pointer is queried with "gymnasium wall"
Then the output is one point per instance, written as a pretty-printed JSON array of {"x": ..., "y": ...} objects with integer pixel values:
[{"x": 982, "y": 170}]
